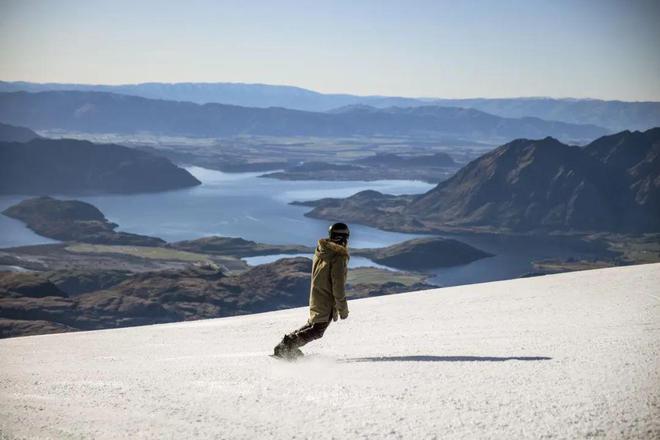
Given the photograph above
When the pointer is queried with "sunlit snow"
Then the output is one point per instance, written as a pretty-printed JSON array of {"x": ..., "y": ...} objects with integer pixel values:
[{"x": 563, "y": 356}]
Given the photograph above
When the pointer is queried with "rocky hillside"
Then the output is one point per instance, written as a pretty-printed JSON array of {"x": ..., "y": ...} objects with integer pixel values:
[
  {"x": 69, "y": 300},
  {"x": 636, "y": 157},
  {"x": 35, "y": 303},
  {"x": 72, "y": 220},
  {"x": 525, "y": 185},
  {"x": 613, "y": 184},
  {"x": 66, "y": 166}
]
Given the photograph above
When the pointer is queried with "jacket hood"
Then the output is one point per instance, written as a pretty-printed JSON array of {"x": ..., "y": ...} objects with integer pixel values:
[{"x": 327, "y": 250}]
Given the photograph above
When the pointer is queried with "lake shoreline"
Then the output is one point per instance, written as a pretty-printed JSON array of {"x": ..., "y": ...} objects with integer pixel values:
[{"x": 245, "y": 205}]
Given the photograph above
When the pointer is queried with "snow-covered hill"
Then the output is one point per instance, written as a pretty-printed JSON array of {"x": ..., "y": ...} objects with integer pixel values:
[{"x": 565, "y": 356}]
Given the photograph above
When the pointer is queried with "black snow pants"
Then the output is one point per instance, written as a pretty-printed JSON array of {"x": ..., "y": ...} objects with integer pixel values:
[{"x": 308, "y": 333}]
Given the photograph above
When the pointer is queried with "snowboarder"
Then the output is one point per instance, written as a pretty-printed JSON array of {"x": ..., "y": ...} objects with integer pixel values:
[{"x": 327, "y": 299}]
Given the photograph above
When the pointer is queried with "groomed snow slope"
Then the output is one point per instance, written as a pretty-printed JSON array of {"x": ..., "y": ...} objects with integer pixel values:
[{"x": 563, "y": 356}]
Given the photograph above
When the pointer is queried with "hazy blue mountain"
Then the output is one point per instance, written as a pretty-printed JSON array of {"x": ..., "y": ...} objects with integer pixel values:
[
  {"x": 10, "y": 133},
  {"x": 615, "y": 115},
  {"x": 247, "y": 95},
  {"x": 66, "y": 166},
  {"x": 102, "y": 112}
]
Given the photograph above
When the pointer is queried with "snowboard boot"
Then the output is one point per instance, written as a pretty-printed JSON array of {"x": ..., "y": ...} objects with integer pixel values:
[{"x": 287, "y": 349}]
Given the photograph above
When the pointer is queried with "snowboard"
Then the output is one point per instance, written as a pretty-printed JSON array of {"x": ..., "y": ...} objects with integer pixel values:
[{"x": 287, "y": 359}]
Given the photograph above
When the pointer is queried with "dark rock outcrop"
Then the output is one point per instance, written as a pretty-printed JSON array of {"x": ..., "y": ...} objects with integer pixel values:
[
  {"x": 67, "y": 166},
  {"x": 78, "y": 281},
  {"x": 10, "y": 328},
  {"x": 31, "y": 285}
]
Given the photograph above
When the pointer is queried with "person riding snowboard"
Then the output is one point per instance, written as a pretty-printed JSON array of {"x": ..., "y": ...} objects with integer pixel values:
[{"x": 327, "y": 298}]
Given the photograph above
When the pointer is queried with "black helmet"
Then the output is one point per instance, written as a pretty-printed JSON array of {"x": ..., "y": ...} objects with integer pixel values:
[{"x": 339, "y": 232}]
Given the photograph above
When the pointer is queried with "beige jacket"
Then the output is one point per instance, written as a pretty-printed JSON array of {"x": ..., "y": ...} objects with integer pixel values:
[{"x": 327, "y": 297}]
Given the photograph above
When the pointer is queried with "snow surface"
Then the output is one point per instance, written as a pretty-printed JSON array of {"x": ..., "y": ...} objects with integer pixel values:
[{"x": 564, "y": 356}]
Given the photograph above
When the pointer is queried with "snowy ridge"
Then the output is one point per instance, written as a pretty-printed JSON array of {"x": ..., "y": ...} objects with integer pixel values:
[{"x": 563, "y": 356}]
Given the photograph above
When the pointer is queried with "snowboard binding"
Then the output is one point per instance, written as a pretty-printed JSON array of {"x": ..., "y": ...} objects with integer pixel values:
[{"x": 287, "y": 349}]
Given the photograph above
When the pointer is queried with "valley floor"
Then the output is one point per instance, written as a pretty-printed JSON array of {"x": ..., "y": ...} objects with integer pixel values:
[{"x": 573, "y": 355}]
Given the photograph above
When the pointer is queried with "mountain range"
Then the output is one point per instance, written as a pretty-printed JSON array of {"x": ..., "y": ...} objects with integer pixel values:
[
  {"x": 614, "y": 115},
  {"x": 102, "y": 112},
  {"x": 612, "y": 184}
]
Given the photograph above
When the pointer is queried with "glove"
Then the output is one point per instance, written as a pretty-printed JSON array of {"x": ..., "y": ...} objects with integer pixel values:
[{"x": 343, "y": 314}]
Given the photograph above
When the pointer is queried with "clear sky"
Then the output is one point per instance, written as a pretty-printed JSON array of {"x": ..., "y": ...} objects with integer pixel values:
[{"x": 579, "y": 48}]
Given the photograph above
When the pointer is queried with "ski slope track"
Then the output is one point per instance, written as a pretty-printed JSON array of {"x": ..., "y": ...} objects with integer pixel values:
[{"x": 573, "y": 355}]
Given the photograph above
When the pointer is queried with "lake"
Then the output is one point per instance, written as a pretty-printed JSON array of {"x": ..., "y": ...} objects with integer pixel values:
[
  {"x": 245, "y": 205},
  {"x": 227, "y": 204},
  {"x": 513, "y": 257}
]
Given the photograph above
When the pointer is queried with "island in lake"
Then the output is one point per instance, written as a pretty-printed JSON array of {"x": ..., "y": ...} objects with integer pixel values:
[{"x": 72, "y": 220}]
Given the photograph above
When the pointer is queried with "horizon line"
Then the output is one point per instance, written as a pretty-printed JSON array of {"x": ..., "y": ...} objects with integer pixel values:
[{"x": 530, "y": 97}]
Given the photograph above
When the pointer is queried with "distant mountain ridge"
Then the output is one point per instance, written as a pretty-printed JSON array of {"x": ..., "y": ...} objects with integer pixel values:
[
  {"x": 612, "y": 184},
  {"x": 612, "y": 114},
  {"x": 11, "y": 133},
  {"x": 102, "y": 112}
]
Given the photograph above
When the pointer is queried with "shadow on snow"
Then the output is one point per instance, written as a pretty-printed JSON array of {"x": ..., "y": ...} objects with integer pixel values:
[{"x": 446, "y": 359}]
